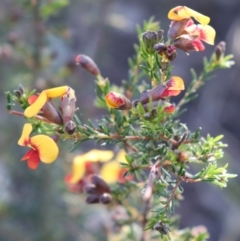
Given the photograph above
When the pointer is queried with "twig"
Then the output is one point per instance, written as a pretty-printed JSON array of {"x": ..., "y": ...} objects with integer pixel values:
[
  {"x": 173, "y": 193},
  {"x": 146, "y": 209},
  {"x": 38, "y": 117}
]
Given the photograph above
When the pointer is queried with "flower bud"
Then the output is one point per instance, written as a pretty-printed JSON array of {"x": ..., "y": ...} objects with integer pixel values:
[
  {"x": 161, "y": 228},
  {"x": 18, "y": 94},
  {"x": 100, "y": 184},
  {"x": 220, "y": 50},
  {"x": 70, "y": 127},
  {"x": 92, "y": 198},
  {"x": 182, "y": 156},
  {"x": 90, "y": 189},
  {"x": 21, "y": 89},
  {"x": 88, "y": 64},
  {"x": 118, "y": 101},
  {"x": 168, "y": 53},
  {"x": 68, "y": 108},
  {"x": 48, "y": 110},
  {"x": 106, "y": 198},
  {"x": 150, "y": 38}
]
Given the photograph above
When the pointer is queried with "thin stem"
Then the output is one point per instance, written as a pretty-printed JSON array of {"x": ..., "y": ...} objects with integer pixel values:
[
  {"x": 147, "y": 207},
  {"x": 38, "y": 117},
  {"x": 173, "y": 193}
]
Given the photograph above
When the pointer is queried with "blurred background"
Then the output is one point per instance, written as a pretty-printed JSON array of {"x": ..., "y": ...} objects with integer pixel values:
[{"x": 39, "y": 40}]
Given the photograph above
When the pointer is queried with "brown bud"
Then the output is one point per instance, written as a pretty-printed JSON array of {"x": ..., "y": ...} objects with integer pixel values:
[
  {"x": 106, "y": 198},
  {"x": 88, "y": 64},
  {"x": 92, "y": 198},
  {"x": 70, "y": 127},
  {"x": 49, "y": 111},
  {"x": 150, "y": 38},
  {"x": 168, "y": 53},
  {"x": 161, "y": 228},
  {"x": 220, "y": 50},
  {"x": 154, "y": 94},
  {"x": 18, "y": 94},
  {"x": 182, "y": 156},
  {"x": 68, "y": 108},
  {"x": 100, "y": 184},
  {"x": 21, "y": 89},
  {"x": 91, "y": 189}
]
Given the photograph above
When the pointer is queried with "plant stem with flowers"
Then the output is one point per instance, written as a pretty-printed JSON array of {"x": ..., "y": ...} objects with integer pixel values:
[{"x": 142, "y": 176}]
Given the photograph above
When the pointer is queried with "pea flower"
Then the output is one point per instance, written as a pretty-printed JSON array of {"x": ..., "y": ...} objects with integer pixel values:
[
  {"x": 118, "y": 101},
  {"x": 44, "y": 96},
  {"x": 186, "y": 35},
  {"x": 43, "y": 148},
  {"x": 86, "y": 165},
  {"x": 83, "y": 164},
  {"x": 172, "y": 87}
]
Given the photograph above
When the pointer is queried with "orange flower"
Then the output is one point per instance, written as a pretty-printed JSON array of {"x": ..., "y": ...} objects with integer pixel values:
[
  {"x": 186, "y": 35},
  {"x": 172, "y": 87},
  {"x": 118, "y": 101},
  {"x": 44, "y": 96},
  {"x": 43, "y": 148},
  {"x": 83, "y": 164}
]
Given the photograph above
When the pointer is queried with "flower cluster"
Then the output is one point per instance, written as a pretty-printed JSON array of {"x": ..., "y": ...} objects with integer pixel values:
[
  {"x": 158, "y": 95},
  {"x": 98, "y": 162},
  {"x": 43, "y": 147}
]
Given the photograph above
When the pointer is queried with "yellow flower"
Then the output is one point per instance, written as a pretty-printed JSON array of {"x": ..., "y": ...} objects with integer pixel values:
[
  {"x": 33, "y": 109},
  {"x": 82, "y": 163},
  {"x": 43, "y": 148}
]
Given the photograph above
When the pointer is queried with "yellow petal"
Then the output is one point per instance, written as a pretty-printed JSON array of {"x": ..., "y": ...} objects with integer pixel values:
[
  {"x": 114, "y": 100},
  {"x": 181, "y": 12},
  {"x": 96, "y": 155},
  {"x": 46, "y": 146},
  {"x": 204, "y": 20},
  {"x": 110, "y": 172},
  {"x": 176, "y": 83},
  {"x": 56, "y": 92},
  {"x": 33, "y": 109},
  {"x": 208, "y": 34},
  {"x": 205, "y": 33},
  {"x": 27, "y": 129},
  {"x": 120, "y": 157},
  {"x": 78, "y": 169}
]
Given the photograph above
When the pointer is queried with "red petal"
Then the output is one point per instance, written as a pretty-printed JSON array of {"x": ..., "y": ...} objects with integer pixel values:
[
  {"x": 169, "y": 109},
  {"x": 168, "y": 92},
  {"x": 198, "y": 45},
  {"x": 32, "y": 99},
  {"x": 33, "y": 159}
]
